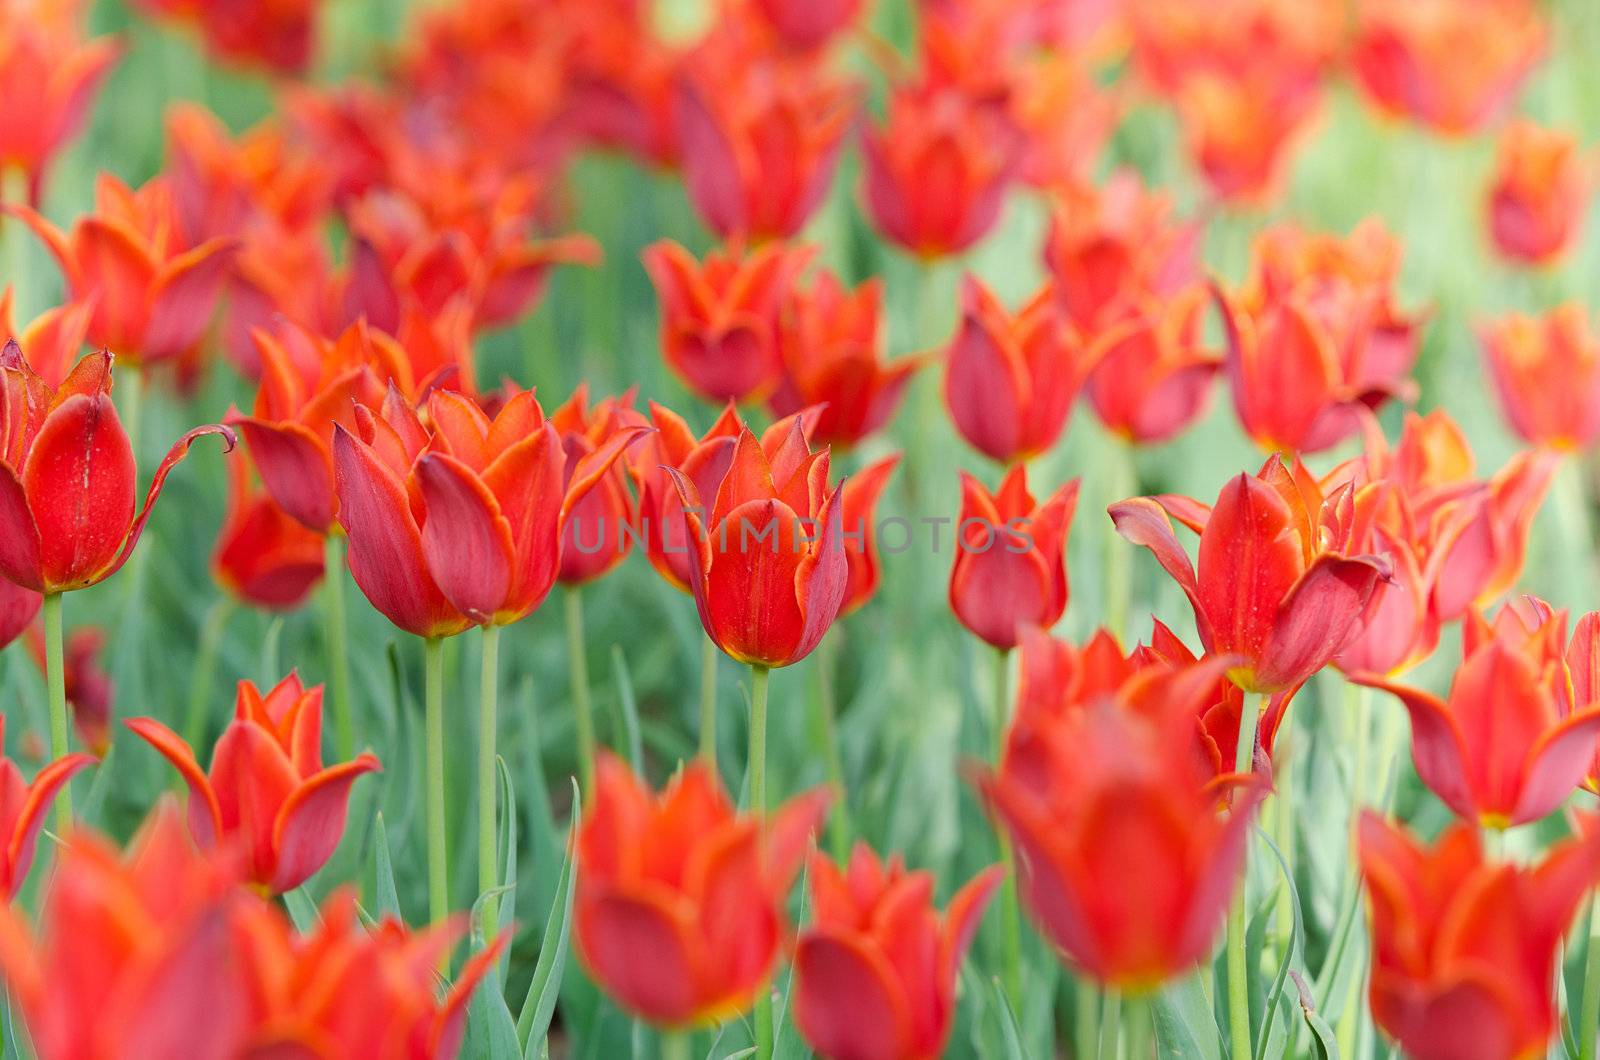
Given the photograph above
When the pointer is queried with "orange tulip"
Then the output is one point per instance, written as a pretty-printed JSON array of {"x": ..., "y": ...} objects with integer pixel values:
[
  {"x": 268, "y": 792},
  {"x": 1064, "y": 116},
  {"x": 621, "y": 81},
  {"x": 1175, "y": 41},
  {"x": 1452, "y": 65},
  {"x": 1546, "y": 373},
  {"x": 1009, "y": 569},
  {"x": 1241, "y": 128},
  {"x": 152, "y": 297},
  {"x": 1463, "y": 948},
  {"x": 1539, "y": 194},
  {"x": 671, "y": 884},
  {"x": 1149, "y": 376},
  {"x": 54, "y": 340},
  {"x": 599, "y": 528},
  {"x": 875, "y": 973},
  {"x": 262, "y": 556},
  {"x": 25, "y": 805},
  {"x": 704, "y": 461}
]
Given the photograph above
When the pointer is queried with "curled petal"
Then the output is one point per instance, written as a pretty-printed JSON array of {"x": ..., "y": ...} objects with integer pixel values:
[
  {"x": 205, "y": 816},
  {"x": 179, "y": 450}
]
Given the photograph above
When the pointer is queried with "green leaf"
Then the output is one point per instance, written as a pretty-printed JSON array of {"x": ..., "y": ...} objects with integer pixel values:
[
  {"x": 1324, "y": 1043},
  {"x": 388, "y": 896},
  {"x": 491, "y": 1033},
  {"x": 540, "y": 1005},
  {"x": 98, "y": 788},
  {"x": 1264, "y": 1040},
  {"x": 1185, "y": 1022},
  {"x": 1008, "y": 1022},
  {"x": 508, "y": 857},
  {"x": 270, "y": 672},
  {"x": 302, "y": 910},
  {"x": 630, "y": 709}
]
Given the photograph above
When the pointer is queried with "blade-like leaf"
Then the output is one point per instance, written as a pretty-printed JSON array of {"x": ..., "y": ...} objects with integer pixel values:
[
  {"x": 630, "y": 709},
  {"x": 1185, "y": 1023},
  {"x": 543, "y": 989},
  {"x": 388, "y": 898}
]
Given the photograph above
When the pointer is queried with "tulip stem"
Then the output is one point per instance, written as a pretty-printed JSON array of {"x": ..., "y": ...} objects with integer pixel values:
[
  {"x": 1239, "y": 1031},
  {"x": 1136, "y": 1013},
  {"x": 344, "y": 732},
  {"x": 56, "y": 681},
  {"x": 1589, "y": 1014},
  {"x": 756, "y": 772},
  {"x": 1010, "y": 914},
  {"x": 578, "y": 676},
  {"x": 201, "y": 681},
  {"x": 1283, "y": 822},
  {"x": 1110, "y": 1025},
  {"x": 488, "y": 713},
  {"x": 674, "y": 1045},
  {"x": 433, "y": 718},
  {"x": 842, "y": 830},
  {"x": 1086, "y": 1026},
  {"x": 709, "y": 654}
]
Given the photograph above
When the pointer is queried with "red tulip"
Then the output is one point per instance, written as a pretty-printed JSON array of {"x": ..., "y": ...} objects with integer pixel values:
[
  {"x": 152, "y": 297},
  {"x": 1314, "y": 336},
  {"x": 679, "y": 910},
  {"x": 875, "y": 973},
  {"x": 936, "y": 173},
  {"x": 268, "y": 791},
  {"x": 49, "y": 76},
  {"x": 1452, "y": 65},
  {"x": 1241, "y": 128},
  {"x": 1150, "y": 377},
  {"x": 704, "y": 461},
  {"x": 767, "y": 563},
  {"x": 67, "y": 476},
  {"x": 621, "y": 82},
  {"x": 1511, "y": 742},
  {"x": 1546, "y": 373},
  {"x": 1464, "y": 949},
  {"x": 262, "y": 556},
  {"x": 278, "y": 37},
  {"x": 1539, "y": 194},
  {"x": 484, "y": 546},
  {"x": 859, "y": 528},
  {"x": 1009, "y": 570},
  {"x": 808, "y": 26},
  {"x": 1064, "y": 116},
  {"x": 25, "y": 804},
  {"x": 1175, "y": 41},
  {"x": 598, "y": 528},
  {"x": 1126, "y": 864},
  {"x": 54, "y": 340},
  {"x": 1011, "y": 380},
  {"x": 830, "y": 341},
  {"x": 719, "y": 319},
  {"x": 1275, "y": 586}
]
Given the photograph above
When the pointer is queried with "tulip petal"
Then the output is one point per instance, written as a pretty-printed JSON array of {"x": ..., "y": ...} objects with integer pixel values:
[
  {"x": 1141, "y": 521},
  {"x": 640, "y": 947},
  {"x": 1435, "y": 744},
  {"x": 848, "y": 1002},
  {"x": 295, "y": 466},
  {"x": 19, "y": 535},
  {"x": 1557, "y": 765},
  {"x": 184, "y": 297},
  {"x": 526, "y": 480},
  {"x": 962, "y": 915},
  {"x": 47, "y": 784},
  {"x": 205, "y": 817},
  {"x": 466, "y": 540},
  {"x": 1317, "y": 618},
  {"x": 79, "y": 481},
  {"x": 311, "y": 822}
]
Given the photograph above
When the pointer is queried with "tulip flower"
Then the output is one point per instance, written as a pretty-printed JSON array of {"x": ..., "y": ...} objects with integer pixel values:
[
  {"x": 621, "y": 82},
  {"x": 49, "y": 77},
  {"x": 1149, "y": 376},
  {"x": 1126, "y": 865},
  {"x": 1241, "y": 128},
  {"x": 1452, "y": 65},
  {"x": 262, "y": 556},
  {"x": 1510, "y": 742},
  {"x": 25, "y": 805},
  {"x": 1539, "y": 194},
  {"x": 1546, "y": 373},
  {"x": 278, "y": 37},
  {"x": 759, "y": 144},
  {"x": 268, "y": 790},
  {"x": 67, "y": 476},
  {"x": 808, "y": 26},
  {"x": 598, "y": 528},
  {"x": 875, "y": 973},
  {"x": 719, "y": 319},
  {"x": 830, "y": 341},
  {"x": 1275, "y": 585},
  {"x": 1065, "y": 118},
  {"x": 859, "y": 529},
  {"x": 152, "y": 297},
  {"x": 1009, "y": 569},
  {"x": 1175, "y": 41},
  {"x": 704, "y": 461},
  {"x": 1011, "y": 380},
  {"x": 670, "y": 884},
  {"x": 54, "y": 340},
  {"x": 1112, "y": 249},
  {"x": 936, "y": 172},
  {"x": 1464, "y": 949},
  {"x": 89, "y": 690}
]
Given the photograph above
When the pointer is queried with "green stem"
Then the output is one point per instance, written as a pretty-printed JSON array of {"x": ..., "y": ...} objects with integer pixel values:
[
  {"x": 488, "y": 707},
  {"x": 344, "y": 732},
  {"x": 1010, "y": 913},
  {"x": 709, "y": 656},
  {"x": 212, "y": 627},
  {"x": 675, "y": 1045},
  {"x": 842, "y": 830},
  {"x": 1589, "y": 1013},
  {"x": 1086, "y": 1025},
  {"x": 578, "y": 676},
  {"x": 756, "y": 767},
  {"x": 1110, "y": 1024},
  {"x": 433, "y": 711},
  {"x": 56, "y": 682},
  {"x": 1239, "y": 1031},
  {"x": 1136, "y": 1013},
  {"x": 1283, "y": 827},
  {"x": 1360, "y": 712}
]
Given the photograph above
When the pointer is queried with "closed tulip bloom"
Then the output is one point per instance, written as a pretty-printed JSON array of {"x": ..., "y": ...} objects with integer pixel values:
[
  {"x": 1539, "y": 194},
  {"x": 23, "y": 806},
  {"x": 262, "y": 556},
  {"x": 1510, "y": 742},
  {"x": 1452, "y": 65},
  {"x": 936, "y": 172},
  {"x": 767, "y": 561},
  {"x": 860, "y": 531},
  {"x": 1150, "y": 377},
  {"x": 67, "y": 515},
  {"x": 703, "y": 460},
  {"x": 1011, "y": 379},
  {"x": 1125, "y": 862},
  {"x": 831, "y": 341},
  {"x": 679, "y": 908},
  {"x": 875, "y": 972},
  {"x": 1464, "y": 949},
  {"x": 1546, "y": 373},
  {"x": 152, "y": 296},
  {"x": 719, "y": 318},
  {"x": 1010, "y": 569},
  {"x": 808, "y": 26},
  {"x": 1275, "y": 586},
  {"x": 598, "y": 529}
]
